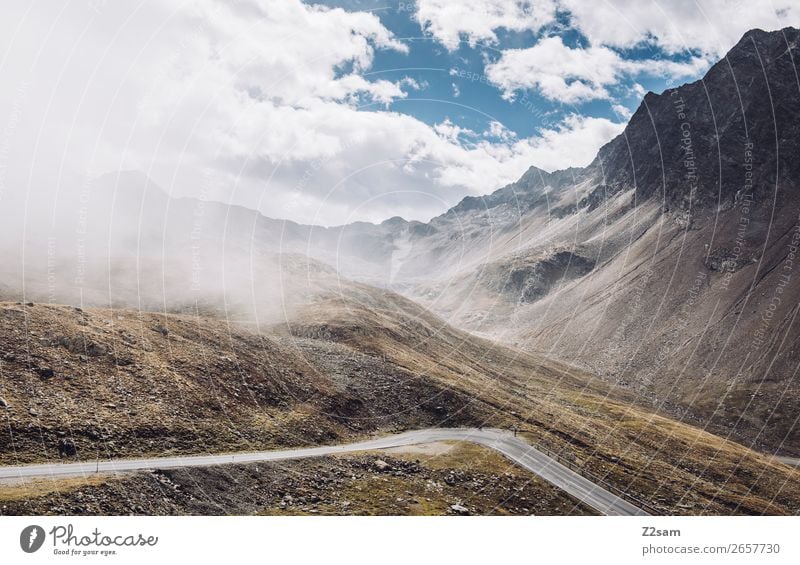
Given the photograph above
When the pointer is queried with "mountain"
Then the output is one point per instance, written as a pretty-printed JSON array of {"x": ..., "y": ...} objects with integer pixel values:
[
  {"x": 667, "y": 266},
  {"x": 709, "y": 143},
  {"x": 636, "y": 318}
]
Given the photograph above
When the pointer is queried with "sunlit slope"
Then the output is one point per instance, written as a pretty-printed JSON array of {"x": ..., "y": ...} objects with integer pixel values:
[{"x": 567, "y": 412}]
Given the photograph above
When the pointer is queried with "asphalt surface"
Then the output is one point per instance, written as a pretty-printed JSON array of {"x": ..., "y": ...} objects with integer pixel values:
[{"x": 504, "y": 442}]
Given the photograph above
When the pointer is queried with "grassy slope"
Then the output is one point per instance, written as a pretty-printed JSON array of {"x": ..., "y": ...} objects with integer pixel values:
[
  {"x": 126, "y": 384},
  {"x": 673, "y": 466}
]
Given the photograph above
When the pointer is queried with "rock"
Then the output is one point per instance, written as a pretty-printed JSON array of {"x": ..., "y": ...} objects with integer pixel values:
[
  {"x": 66, "y": 448},
  {"x": 3, "y": 402},
  {"x": 33, "y": 412},
  {"x": 46, "y": 372},
  {"x": 459, "y": 509},
  {"x": 381, "y": 465},
  {"x": 95, "y": 349},
  {"x": 82, "y": 346}
]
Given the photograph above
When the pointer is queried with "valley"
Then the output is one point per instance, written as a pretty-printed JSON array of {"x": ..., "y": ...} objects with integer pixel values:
[{"x": 634, "y": 320}]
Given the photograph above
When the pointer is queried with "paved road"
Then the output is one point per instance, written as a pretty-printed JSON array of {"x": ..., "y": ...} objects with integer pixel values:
[{"x": 514, "y": 448}]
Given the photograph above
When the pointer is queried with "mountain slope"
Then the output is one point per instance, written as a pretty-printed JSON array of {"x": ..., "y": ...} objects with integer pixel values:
[
  {"x": 668, "y": 264},
  {"x": 126, "y": 383}
]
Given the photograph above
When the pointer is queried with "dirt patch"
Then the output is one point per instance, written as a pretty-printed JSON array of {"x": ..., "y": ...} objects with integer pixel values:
[{"x": 434, "y": 449}]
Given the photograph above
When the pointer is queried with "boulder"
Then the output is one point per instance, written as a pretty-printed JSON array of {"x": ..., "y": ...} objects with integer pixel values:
[{"x": 381, "y": 465}]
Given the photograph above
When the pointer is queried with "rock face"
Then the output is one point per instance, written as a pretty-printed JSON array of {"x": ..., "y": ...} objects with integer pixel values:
[
  {"x": 702, "y": 144},
  {"x": 528, "y": 192},
  {"x": 678, "y": 245},
  {"x": 527, "y": 279},
  {"x": 733, "y": 132}
]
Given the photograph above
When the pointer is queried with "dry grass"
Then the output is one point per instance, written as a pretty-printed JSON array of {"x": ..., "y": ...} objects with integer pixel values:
[
  {"x": 673, "y": 466},
  {"x": 34, "y": 488},
  {"x": 368, "y": 361}
]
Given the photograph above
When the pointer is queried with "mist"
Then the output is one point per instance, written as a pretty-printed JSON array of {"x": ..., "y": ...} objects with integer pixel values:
[{"x": 119, "y": 241}]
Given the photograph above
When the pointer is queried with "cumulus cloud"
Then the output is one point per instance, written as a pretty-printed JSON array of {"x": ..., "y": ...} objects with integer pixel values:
[
  {"x": 499, "y": 131},
  {"x": 573, "y": 142},
  {"x": 704, "y": 28},
  {"x": 621, "y": 111},
  {"x": 450, "y": 131},
  {"x": 573, "y": 74},
  {"x": 478, "y": 20},
  {"x": 260, "y": 103},
  {"x": 708, "y": 26}
]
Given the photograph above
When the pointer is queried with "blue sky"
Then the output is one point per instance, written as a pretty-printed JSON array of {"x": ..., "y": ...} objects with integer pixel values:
[
  {"x": 469, "y": 100},
  {"x": 343, "y": 111}
]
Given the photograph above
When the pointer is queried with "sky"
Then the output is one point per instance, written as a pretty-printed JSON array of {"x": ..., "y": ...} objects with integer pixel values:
[{"x": 333, "y": 112}]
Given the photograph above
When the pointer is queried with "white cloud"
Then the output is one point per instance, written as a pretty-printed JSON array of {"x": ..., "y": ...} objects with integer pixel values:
[
  {"x": 478, "y": 20},
  {"x": 621, "y": 111},
  {"x": 709, "y": 26},
  {"x": 499, "y": 131},
  {"x": 348, "y": 88},
  {"x": 261, "y": 103},
  {"x": 573, "y": 143},
  {"x": 451, "y": 132},
  {"x": 571, "y": 75}
]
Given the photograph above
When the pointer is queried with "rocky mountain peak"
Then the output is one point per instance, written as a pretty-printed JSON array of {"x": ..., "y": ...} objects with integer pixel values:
[{"x": 734, "y": 131}]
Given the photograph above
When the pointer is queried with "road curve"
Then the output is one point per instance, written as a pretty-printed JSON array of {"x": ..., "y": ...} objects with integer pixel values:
[{"x": 504, "y": 442}]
